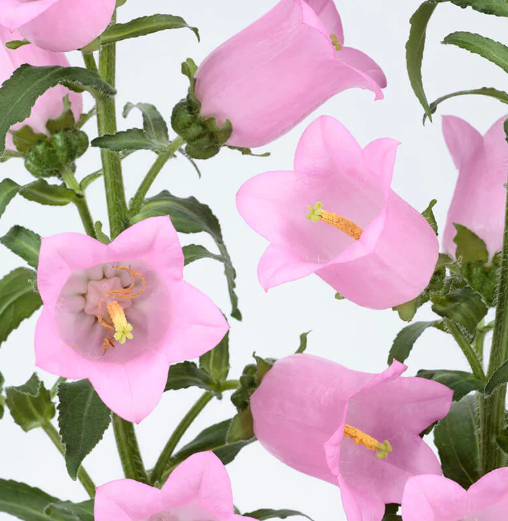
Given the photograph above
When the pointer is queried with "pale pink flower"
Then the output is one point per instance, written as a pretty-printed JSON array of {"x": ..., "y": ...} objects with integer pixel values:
[
  {"x": 383, "y": 253},
  {"x": 57, "y": 25},
  {"x": 275, "y": 72},
  {"x": 120, "y": 314},
  {"x": 480, "y": 194},
  {"x": 359, "y": 431},
  {"x": 199, "y": 489},
  {"x": 50, "y": 104},
  {"x": 435, "y": 498}
]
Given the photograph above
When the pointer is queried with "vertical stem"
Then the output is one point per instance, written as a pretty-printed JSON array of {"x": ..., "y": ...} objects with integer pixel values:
[
  {"x": 128, "y": 450},
  {"x": 111, "y": 164}
]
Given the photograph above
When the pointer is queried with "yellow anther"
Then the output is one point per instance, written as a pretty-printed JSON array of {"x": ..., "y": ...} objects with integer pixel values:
[
  {"x": 316, "y": 213},
  {"x": 122, "y": 328},
  {"x": 360, "y": 438},
  {"x": 335, "y": 41}
]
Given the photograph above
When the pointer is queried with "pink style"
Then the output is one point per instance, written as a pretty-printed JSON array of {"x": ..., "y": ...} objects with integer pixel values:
[
  {"x": 120, "y": 314},
  {"x": 275, "y": 72}
]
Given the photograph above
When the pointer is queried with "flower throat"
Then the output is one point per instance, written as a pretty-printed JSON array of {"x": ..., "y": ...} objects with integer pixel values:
[{"x": 316, "y": 213}]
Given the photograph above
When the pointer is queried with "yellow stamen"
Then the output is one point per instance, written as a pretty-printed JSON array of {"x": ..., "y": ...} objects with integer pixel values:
[
  {"x": 360, "y": 438},
  {"x": 316, "y": 213},
  {"x": 122, "y": 328},
  {"x": 126, "y": 292},
  {"x": 335, "y": 41}
]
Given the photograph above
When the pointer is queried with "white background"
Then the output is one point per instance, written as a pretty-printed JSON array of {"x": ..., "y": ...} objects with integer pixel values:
[{"x": 356, "y": 337}]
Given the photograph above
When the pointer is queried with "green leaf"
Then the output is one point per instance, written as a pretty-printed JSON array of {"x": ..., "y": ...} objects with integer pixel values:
[
  {"x": 194, "y": 252},
  {"x": 2, "y": 399},
  {"x": 470, "y": 248},
  {"x": 25, "y": 138},
  {"x": 8, "y": 190},
  {"x": 242, "y": 427},
  {"x": 83, "y": 419},
  {"x": 188, "y": 374},
  {"x": 414, "y": 51},
  {"x": 16, "y": 44},
  {"x": 495, "y": 7},
  {"x": 499, "y": 377},
  {"x": 23, "y": 242},
  {"x": 463, "y": 305},
  {"x": 20, "y": 92},
  {"x": 67, "y": 511},
  {"x": 491, "y": 50},
  {"x": 408, "y": 310},
  {"x": 404, "y": 341},
  {"x": 144, "y": 26},
  {"x": 126, "y": 141},
  {"x": 19, "y": 299},
  {"x": 30, "y": 404},
  {"x": 268, "y": 513},
  {"x": 216, "y": 361},
  {"x": 189, "y": 159},
  {"x": 24, "y": 502},
  {"x": 428, "y": 213},
  {"x": 456, "y": 438},
  {"x": 248, "y": 152},
  {"x": 42, "y": 192},
  {"x": 303, "y": 343},
  {"x": 461, "y": 382},
  {"x": 9, "y": 154},
  {"x": 484, "y": 91},
  {"x": 190, "y": 216},
  {"x": 153, "y": 123},
  {"x": 502, "y": 441}
]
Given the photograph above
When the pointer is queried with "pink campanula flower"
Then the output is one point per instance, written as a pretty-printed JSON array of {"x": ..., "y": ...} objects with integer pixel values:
[
  {"x": 50, "y": 104},
  {"x": 359, "y": 431},
  {"x": 57, "y": 25},
  {"x": 120, "y": 314},
  {"x": 271, "y": 75},
  {"x": 480, "y": 194},
  {"x": 199, "y": 489},
  {"x": 382, "y": 254},
  {"x": 435, "y": 498}
]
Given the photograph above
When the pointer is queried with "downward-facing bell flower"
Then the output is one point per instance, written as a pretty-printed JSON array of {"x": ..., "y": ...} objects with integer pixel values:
[
  {"x": 356, "y": 430},
  {"x": 57, "y": 25},
  {"x": 336, "y": 216},
  {"x": 275, "y": 72},
  {"x": 199, "y": 489},
  {"x": 480, "y": 194},
  {"x": 435, "y": 498},
  {"x": 50, "y": 105},
  {"x": 120, "y": 314}
]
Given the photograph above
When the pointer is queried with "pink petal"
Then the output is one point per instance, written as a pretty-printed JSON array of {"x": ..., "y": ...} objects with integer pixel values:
[
  {"x": 379, "y": 157},
  {"x": 14, "y": 14},
  {"x": 201, "y": 479},
  {"x": 328, "y": 14},
  {"x": 369, "y": 69},
  {"x": 434, "y": 498},
  {"x": 489, "y": 496},
  {"x": 463, "y": 140},
  {"x": 359, "y": 505}
]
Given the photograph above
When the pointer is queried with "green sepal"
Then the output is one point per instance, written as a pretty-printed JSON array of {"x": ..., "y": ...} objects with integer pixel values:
[
  {"x": 303, "y": 343},
  {"x": 248, "y": 152},
  {"x": 267, "y": 513},
  {"x": 216, "y": 361},
  {"x": 25, "y": 138},
  {"x": 242, "y": 427},
  {"x": 470, "y": 248},
  {"x": 65, "y": 121},
  {"x": 428, "y": 213},
  {"x": 16, "y": 44},
  {"x": 248, "y": 384},
  {"x": 101, "y": 236}
]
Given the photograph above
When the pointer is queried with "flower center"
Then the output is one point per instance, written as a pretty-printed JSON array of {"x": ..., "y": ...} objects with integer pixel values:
[
  {"x": 119, "y": 328},
  {"x": 316, "y": 213},
  {"x": 335, "y": 41},
  {"x": 360, "y": 438}
]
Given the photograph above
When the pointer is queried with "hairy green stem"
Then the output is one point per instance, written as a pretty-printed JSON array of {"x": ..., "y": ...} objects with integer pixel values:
[
  {"x": 152, "y": 174},
  {"x": 111, "y": 163},
  {"x": 90, "y": 62},
  {"x": 229, "y": 385},
  {"x": 128, "y": 450},
  {"x": 181, "y": 429},
  {"x": 83, "y": 476}
]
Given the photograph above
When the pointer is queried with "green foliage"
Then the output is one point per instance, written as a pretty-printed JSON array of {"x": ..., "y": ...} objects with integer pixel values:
[
  {"x": 495, "y": 7},
  {"x": 2, "y": 398},
  {"x": 194, "y": 252},
  {"x": 248, "y": 384},
  {"x": 67, "y": 511},
  {"x": 461, "y": 382},
  {"x": 154, "y": 125},
  {"x": 242, "y": 427},
  {"x": 405, "y": 340},
  {"x": 18, "y": 299},
  {"x": 188, "y": 215},
  {"x": 456, "y": 438},
  {"x": 470, "y": 248},
  {"x": 23, "y": 242},
  {"x": 491, "y": 50},
  {"x": 188, "y": 374},
  {"x": 24, "y": 502},
  {"x": 65, "y": 121},
  {"x": 30, "y": 404},
  {"x": 16, "y": 44},
  {"x": 20, "y": 92},
  {"x": 414, "y": 51},
  {"x": 303, "y": 343},
  {"x": 216, "y": 361},
  {"x": 248, "y": 152},
  {"x": 82, "y": 419},
  {"x": 8, "y": 190},
  {"x": 101, "y": 236},
  {"x": 126, "y": 141},
  {"x": 25, "y": 138},
  {"x": 499, "y": 377},
  {"x": 42, "y": 192},
  {"x": 268, "y": 513},
  {"x": 428, "y": 213}
]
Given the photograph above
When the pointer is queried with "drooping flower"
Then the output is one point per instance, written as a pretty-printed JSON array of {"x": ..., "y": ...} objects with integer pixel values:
[
  {"x": 275, "y": 72},
  {"x": 435, "y": 498},
  {"x": 50, "y": 104},
  {"x": 120, "y": 314},
  {"x": 199, "y": 489},
  {"x": 57, "y": 25},
  {"x": 382, "y": 253},
  {"x": 480, "y": 194},
  {"x": 356, "y": 430}
]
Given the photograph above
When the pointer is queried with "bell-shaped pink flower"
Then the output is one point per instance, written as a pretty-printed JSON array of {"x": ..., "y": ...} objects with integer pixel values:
[
  {"x": 50, "y": 104},
  {"x": 199, "y": 489},
  {"x": 359, "y": 236},
  {"x": 57, "y": 25},
  {"x": 120, "y": 314},
  {"x": 275, "y": 72},
  {"x": 356, "y": 430},
  {"x": 480, "y": 194},
  {"x": 435, "y": 498}
]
